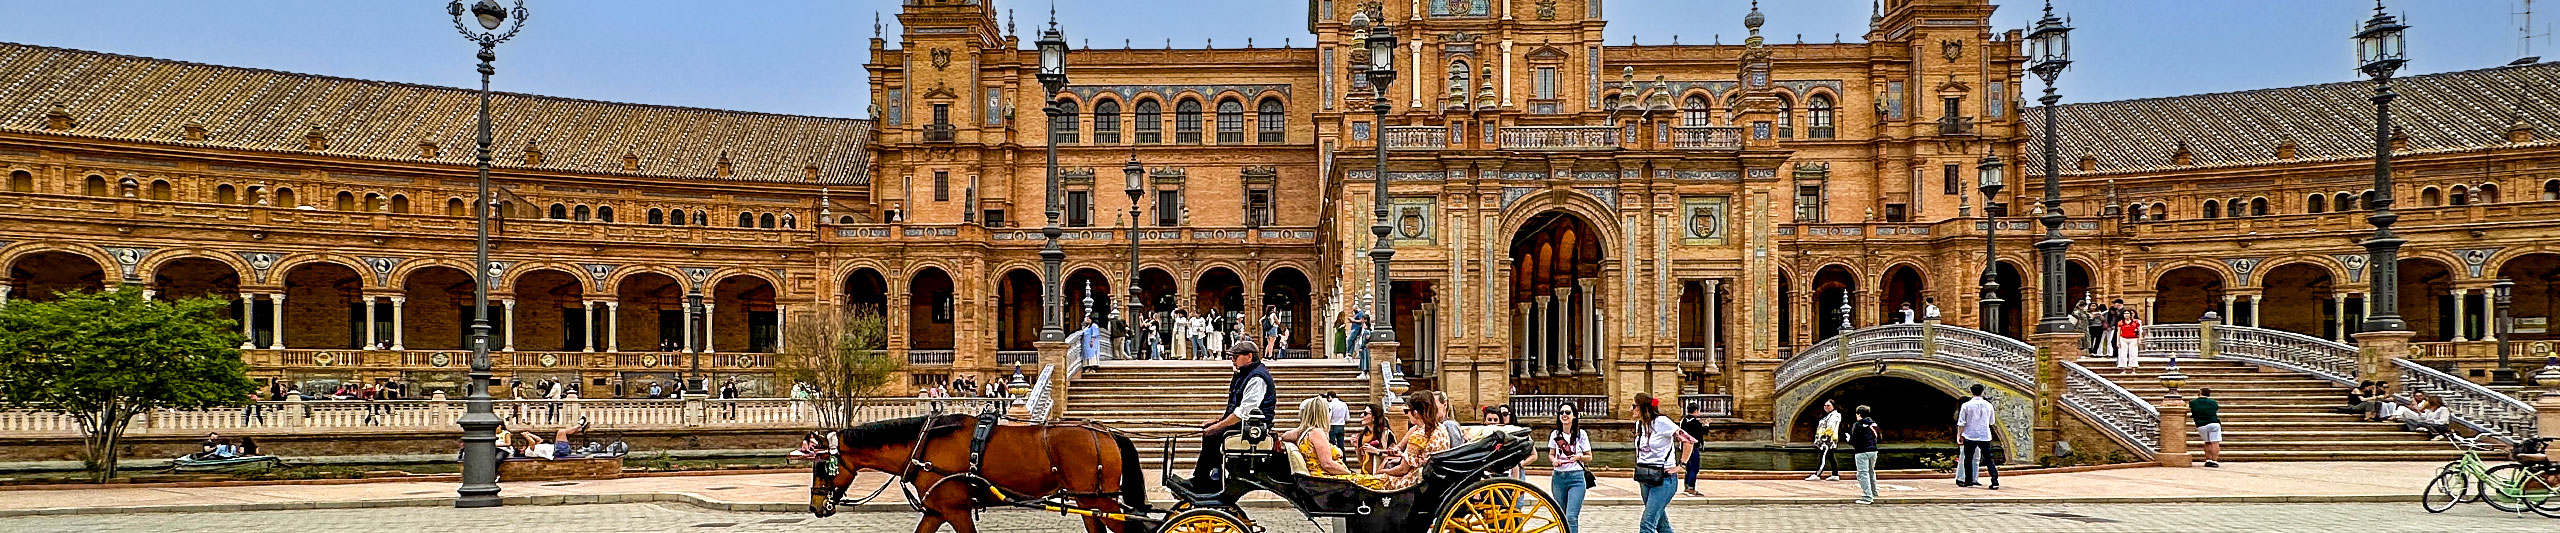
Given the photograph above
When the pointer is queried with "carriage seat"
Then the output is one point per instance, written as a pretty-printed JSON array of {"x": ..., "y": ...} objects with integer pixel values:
[{"x": 1297, "y": 461}]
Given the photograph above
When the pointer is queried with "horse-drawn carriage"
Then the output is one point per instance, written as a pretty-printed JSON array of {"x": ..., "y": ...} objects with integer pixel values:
[{"x": 1044, "y": 466}]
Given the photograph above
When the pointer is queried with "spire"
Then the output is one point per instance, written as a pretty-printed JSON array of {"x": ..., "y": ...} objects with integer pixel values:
[
  {"x": 1875, "y": 11},
  {"x": 875, "y": 24},
  {"x": 1752, "y": 21}
]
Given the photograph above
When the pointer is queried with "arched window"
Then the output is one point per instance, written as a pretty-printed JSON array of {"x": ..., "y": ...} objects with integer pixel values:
[
  {"x": 1148, "y": 122},
  {"x": 657, "y": 216},
  {"x": 2365, "y": 201},
  {"x": 584, "y": 213},
  {"x": 21, "y": 181},
  {"x": 96, "y": 185},
  {"x": 765, "y": 221},
  {"x": 1817, "y": 120},
  {"x": 373, "y": 202},
  {"x": 2459, "y": 195},
  {"x": 2430, "y": 197},
  {"x": 2258, "y": 207},
  {"x": 746, "y": 220},
  {"x": 604, "y": 213},
  {"x": 789, "y": 221},
  {"x": 1458, "y": 74},
  {"x": 2317, "y": 203},
  {"x": 2343, "y": 202},
  {"x": 1063, "y": 131},
  {"x": 346, "y": 201},
  {"x": 1186, "y": 122},
  {"x": 1609, "y": 102},
  {"x": 455, "y": 208},
  {"x": 285, "y": 198},
  {"x": 2487, "y": 193},
  {"x": 2551, "y": 190},
  {"x": 222, "y": 194},
  {"x": 702, "y": 218},
  {"x": 400, "y": 203},
  {"x": 1786, "y": 118},
  {"x": 2212, "y": 209},
  {"x": 1271, "y": 121},
  {"x": 2159, "y": 211},
  {"x": 559, "y": 211},
  {"x": 1106, "y": 122},
  {"x": 675, "y": 218},
  {"x": 847, "y": 219},
  {"x": 1694, "y": 112},
  {"x": 1230, "y": 122},
  {"x": 160, "y": 190},
  {"x": 2134, "y": 212}
]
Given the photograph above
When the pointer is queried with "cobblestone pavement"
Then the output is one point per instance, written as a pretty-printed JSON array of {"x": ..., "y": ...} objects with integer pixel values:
[{"x": 2186, "y": 518}]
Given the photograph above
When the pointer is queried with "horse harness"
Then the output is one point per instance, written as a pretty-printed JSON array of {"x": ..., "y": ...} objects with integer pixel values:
[{"x": 982, "y": 430}]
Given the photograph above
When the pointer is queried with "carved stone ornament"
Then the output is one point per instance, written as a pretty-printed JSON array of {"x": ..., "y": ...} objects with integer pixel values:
[
  {"x": 2244, "y": 267},
  {"x": 1546, "y": 9},
  {"x": 941, "y": 58},
  {"x": 260, "y": 262},
  {"x": 382, "y": 266},
  {"x": 2475, "y": 259},
  {"x": 599, "y": 272},
  {"x": 1952, "y": 50},
  {"x": 127, "y": 258}
]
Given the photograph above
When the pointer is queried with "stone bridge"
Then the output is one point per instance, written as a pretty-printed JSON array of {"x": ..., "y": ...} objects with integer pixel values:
[{"x": 1945, "y": 358}]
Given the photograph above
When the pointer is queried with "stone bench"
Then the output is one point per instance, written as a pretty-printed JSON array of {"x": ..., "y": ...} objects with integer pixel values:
[{"x": 547, "y": 470}]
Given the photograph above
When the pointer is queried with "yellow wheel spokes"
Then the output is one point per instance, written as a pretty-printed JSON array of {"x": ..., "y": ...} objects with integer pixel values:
[
  {"x": 1502, "y": 508},
  {"x": 1203, "y": 524}
]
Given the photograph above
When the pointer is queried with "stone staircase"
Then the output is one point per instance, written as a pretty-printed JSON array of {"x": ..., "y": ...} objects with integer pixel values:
[
  {"x": 2276, "y": 415},
  {"x": 1172, "y": 398}
]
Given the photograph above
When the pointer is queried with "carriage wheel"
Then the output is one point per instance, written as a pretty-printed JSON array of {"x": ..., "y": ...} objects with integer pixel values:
[
  {"x": 1204, "y": 521},
  {"x": 1500, "y": 505}
]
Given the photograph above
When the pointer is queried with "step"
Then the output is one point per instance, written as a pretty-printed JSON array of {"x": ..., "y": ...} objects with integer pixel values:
[
  {"x": 2274, "y": 456},
  {"x": 2230, "y": 445}
]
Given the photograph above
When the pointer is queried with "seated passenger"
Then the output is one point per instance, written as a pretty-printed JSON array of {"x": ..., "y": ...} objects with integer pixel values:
[
  {"x": 1424, "y": 435},
  {"x": 1323, "y": 459}
]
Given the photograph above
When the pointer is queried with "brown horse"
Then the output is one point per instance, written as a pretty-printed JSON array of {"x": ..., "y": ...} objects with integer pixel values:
[{"x": 1094, "y": 467}]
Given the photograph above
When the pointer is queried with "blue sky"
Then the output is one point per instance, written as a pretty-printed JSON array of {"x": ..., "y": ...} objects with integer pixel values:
[{"x": 805, "y": 56}]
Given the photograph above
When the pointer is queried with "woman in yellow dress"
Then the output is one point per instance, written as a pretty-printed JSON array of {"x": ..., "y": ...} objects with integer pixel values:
[
  {"x": 1323, "y": 459},
  {"x": 1423, "y": 437}
]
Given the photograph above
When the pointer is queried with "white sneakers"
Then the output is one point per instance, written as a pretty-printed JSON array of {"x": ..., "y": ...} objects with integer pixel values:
[{"x": 1813, "y": 477}]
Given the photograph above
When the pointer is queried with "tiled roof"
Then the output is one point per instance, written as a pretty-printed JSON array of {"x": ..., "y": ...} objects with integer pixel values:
[
  {"x": 142, "y": 99},
  {"x": 2448, "y": 112}
]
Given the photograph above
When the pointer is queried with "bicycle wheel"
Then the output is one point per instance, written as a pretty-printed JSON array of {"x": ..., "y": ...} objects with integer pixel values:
[
  {"x": 2503, "y": 488},
  {"x": 2545, "y": 482},
  {"x": 2450, "y": 487}
]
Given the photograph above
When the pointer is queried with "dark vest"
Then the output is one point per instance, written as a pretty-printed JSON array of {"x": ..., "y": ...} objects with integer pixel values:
[{"x": 1270, "y": 407}]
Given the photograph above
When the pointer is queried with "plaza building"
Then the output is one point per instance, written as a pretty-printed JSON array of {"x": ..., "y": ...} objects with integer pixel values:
[{"x": 1574, "y": 221}]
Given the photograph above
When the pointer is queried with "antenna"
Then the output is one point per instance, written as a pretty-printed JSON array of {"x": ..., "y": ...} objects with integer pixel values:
[{"x": 2524, "y": 30}]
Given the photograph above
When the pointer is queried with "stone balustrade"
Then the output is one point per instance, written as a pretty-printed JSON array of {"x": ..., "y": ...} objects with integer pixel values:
[{"x": 327, "y": 416}]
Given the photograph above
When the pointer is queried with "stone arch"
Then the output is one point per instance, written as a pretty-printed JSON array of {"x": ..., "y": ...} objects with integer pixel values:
[
  {"x": 437, "y": 313},
  {"x": 194, "y": 275},
  {"x": 2184, "y": 293},
  {"x": 743, "y": 315},
  {"x": 1559, "y": 288},
  {"x": 2294, "y": 297},
  {"x": 160, "y": 259},
  {"x": 293, "y": 261},
  {"x": 518, "y": 270},
  {"x": 864, "y": 287},
  {"x": 1217, "y": 289},
  {"x": 320, "y": 305},
  {"x": 1074, "y": 291},
  {"x": 2425, "y": 299},
  {"x": 549, "y": 307},
  {"x": 932, "y": 309},
  {"x": 2536, "y": 275},
  {"x": 2014, "y": 402},
  {"x": 1600, "y": 216},
  {"x": 1902, "y": 286},
  {"x": 1018, "y": 307},
  {"x": 1831, "y": 285},
  {"x": 1292, "y": 294},
  {"x": 37, "y": 272},
  {"x": 623, "y": 273}
]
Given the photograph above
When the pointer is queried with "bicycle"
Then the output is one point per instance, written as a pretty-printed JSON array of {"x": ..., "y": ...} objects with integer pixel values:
[{"x": 2532, "y": 483}]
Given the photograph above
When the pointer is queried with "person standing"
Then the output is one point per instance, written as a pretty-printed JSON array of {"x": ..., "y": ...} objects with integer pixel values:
[
  {"x": 2107, "y": 320},
  {"x": 1337, "y": 415},
  {"x": 1658, "y": 440},
  {"x": 1974, "y": 438},
  {"x": 2085, "y": 317},
  {"x": 1826, "y": 436},
  {"x": 1360, "y": 337},
  {"x": 2128, "y": 339},
  {"x": 1567, "y": 449},
  {"x": 1862, "y": 442},
  {"x": 1907, "y": 316},
  {"x": 2208, "y": 419},
  {"x": 1931, "y": 309},
  {"x": 1693, "y": 424}
]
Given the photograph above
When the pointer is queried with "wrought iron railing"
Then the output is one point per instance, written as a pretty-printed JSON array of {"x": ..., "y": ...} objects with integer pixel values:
[
  {"x": 1547, "y": 405},
  {"x": 2119, "y": 411},
  {"x": 2491, "y": 413}
]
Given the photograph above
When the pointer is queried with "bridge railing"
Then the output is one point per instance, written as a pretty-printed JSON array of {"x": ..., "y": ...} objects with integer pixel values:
[
  {"x": 2000, "y": 356},
  {"x": 2489, "y": 412},
  {"x": 2288, "y": 350},
  {"x": 2497, "y": 415},
  {"x": 2132, "y": 420}
]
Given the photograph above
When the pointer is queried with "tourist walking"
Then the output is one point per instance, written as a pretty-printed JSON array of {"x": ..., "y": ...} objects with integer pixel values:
[
  {"x": 1693, "y": 424},
  {"x": 1862, "y": 443},
  {"x": 2128, "y": 339},
  {"x": 1975, "y": 438},
  {"x": 1658, "y": 440},
  {"x": 1826, "y": 436},
  {"x": 2208, "y": 418},
  {"x": 1567, "y": 449}
]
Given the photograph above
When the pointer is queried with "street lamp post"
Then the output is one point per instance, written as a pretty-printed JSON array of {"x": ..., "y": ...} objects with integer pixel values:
[
  {"x": 479, "y": 420},
  {"x": 2049, "y": 51},
  {"x": 694, "y": 384},
  {"x": 1136, "y": 175},
  {"x": 2379, "y": 52},
  {"x": 1382, "y": 71},
  {"x": 1053, "y": 78},
  {"x": 1992, "y": 180},
  {"x": 2502, "y": 294}
]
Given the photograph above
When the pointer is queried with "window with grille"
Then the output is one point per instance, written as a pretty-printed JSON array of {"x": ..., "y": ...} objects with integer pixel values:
[
  {"x": 1230, "y": 122},
  {"x": 941, "y": 186},
  {"x": 1954, "y": 179},
  {"x": 1257, "y": 208},
  {"x": 1186, "y": 122},
  {"x": 1079, "y": 208},
  {"x": 1786, "y": 119},
  {"x": 1271, "y": 122},
  {"x": 1808, "y": 203},
  {"x": 1169, "y": 207},
  {"x": 1818, "y": 117},
  {"x": 1694, "y": 113},
  {"x": 1106, "y": 122},
  {"x": 1063, "y": 129},
  {"x": 1149, "y": 122}
]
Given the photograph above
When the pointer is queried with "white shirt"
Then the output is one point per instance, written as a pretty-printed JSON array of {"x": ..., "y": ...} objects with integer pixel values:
[
  {"x": 1659, "y": 440},
  {"x": 1828, "y": 428},
  {"x": 1973, "y": 421},
  {"x": 1254, "y": 391},
  {"x": 1932, "y": 312},
  {"x": 1578, "y": 444},
  {"x": 1336, "y": 412}
]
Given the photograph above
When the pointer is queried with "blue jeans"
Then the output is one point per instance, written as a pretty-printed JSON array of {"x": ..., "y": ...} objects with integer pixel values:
[
  {"x": 1866, "y": 475},
  {"x": 1657, "y": 508},
  {"x": 1690, "y": 480},
  {"x": 1568, "y": 488}
]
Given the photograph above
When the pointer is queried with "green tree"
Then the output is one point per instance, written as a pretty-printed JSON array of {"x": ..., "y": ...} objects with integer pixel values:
[
  {"x": 843, "y": 354},
  {"x": 103, "y": 357}
]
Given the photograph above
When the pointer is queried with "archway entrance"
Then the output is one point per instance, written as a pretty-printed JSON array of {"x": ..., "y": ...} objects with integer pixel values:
[
  {"x": 2426, "y": 299},
  {"x": 2076, "y": 278},
  {"x": 1903, "y": 290},
  {"x": 866, "y": 290},
  {"x": 1833, "y": 286},
  {"x": 320, "y": 306},
  {"x": 1017, "y": 310},
  {"x": 1220, "y": 294},
  {"x": 930, "y": 311},
  {"x": 2184, "y": 294},
  {"x": 1082, "y": 284},
  {"x": 2014, "y": 307},
  {"x": 197, "y": 277},
  {"x": 550, "y": 312},
  {"x": 743, "y": 316},
  {"x": 1287, "y": 297},
  {"x": 39, "y": 275},
  {"x": 1926, "y": 414},
  {"x": 438, "y": 313},
  {"x": 1556, "y": 305},
  {"x": 2297, "y": 299},
  {"x": 2535, "y": 296}
]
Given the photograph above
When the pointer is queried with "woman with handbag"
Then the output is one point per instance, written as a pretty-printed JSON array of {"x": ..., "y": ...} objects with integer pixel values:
[
  {"x": 1568, "y": 448},
  {"x": 1658, "y": 439}
]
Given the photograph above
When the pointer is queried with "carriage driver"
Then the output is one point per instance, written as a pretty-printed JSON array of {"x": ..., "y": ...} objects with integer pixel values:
[{"x": 1249, "y": 394}]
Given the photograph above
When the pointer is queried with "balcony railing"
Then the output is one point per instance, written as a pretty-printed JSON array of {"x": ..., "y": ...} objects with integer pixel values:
[
  {"x": 1560, "y": 138},
  {"x": 1417, "y": 137},
  {"x": 930, "y": 357},
  {"x": 328, "y": 416},
  {"x": 1017, "y": 357},
  {"x": 1955, "y": 126},
  {"x": 1717, "y": 405},
  {"x": 1706, "y": 138},
  {"x": 940, "y": 133},
  {"x": 1546, "y": 405}
]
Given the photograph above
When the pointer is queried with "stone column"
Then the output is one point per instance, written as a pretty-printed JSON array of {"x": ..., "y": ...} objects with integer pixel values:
[
  {"x": 1567, "y": 316},
  {"x": 1538, "y": 334},
  {"x": 510, "y": 330},
  {"x": 1523, "y": 322},
  {"x": 399, "y": 323},
  {"x": 1589, "y": 322},
  {"x": 2489, "y": 318},
  {"x": 708, "y": 312},
  {"x": 2173, "y": 432},
  {"x": 587, "y": 326},
  {"x": 4, "y": 294},
  {"x": 372, "y": 333},
  {"x": 2339, "y": 301},
  {"x": 689, "y": 329},
  {"x": 278, "y": 326},
  {"x": 248, "y": 317},
  {"x": 613, "y": 326},
  {"x": 2150, "y": 309},
  {"x": 2375, "y": 352},
  {"x": 2228, "y": 301},
  {"x": 2454, "y": 331},
  {"x": 1708, "y": 303},
  {"x": 782, "y": 318}
]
